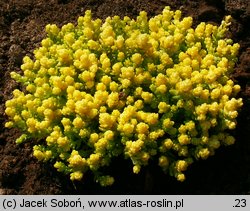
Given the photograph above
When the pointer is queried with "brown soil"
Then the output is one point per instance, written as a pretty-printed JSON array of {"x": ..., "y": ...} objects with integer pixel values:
[{"x": 22, "y": 25}]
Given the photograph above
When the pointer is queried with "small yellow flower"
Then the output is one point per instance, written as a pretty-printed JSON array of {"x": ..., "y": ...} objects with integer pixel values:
[
  {"x": 152, "y": 118},
  {"x": 77, "y": 175},
  {"x": 203, "y": 153},
  {"x": 136, "y": 169},
  {"x": 184, "y": 139},
  {"x": 109, "y": 135},
  {"x": 106, "y": 120},
  {"x": 181, "y": 177},
  {"x": 78, "y": 122},
  {"x": 94, "y": 160},
  {"x": 39, "y": 155},
  {"x": 137, "y": 58},
  {"x": 128, "y": 129},
  {"x": 163, "y": 162},
  {"x": 146, "y": 96},
  {"x": 181, "y": 165},
  {"x": 142, "y": 128},
  {"x": 167, "y": 123}
]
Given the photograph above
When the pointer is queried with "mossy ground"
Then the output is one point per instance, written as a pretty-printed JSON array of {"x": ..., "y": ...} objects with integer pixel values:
[{"x": 22, "y": 25}]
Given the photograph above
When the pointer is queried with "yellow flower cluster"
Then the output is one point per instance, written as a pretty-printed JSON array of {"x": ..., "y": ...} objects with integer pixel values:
[{"x": 145, "y": 88}]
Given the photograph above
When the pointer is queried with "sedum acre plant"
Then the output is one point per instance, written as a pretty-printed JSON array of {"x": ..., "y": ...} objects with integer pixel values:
[{"x": 145, "y": 89}]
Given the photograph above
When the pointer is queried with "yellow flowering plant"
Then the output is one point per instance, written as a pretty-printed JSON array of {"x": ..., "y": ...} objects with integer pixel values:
[{"x": 146, "y": 89}]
